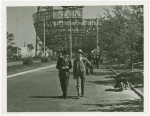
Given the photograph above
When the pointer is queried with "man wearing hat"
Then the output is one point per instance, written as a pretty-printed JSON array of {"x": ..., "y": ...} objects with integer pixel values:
[
  {"x": 64, "y": 65},
  {"x": 79, "y": 72}
]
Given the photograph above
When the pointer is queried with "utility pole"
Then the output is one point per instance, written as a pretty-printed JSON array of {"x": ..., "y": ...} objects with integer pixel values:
[
  {"x": 97, "y": 38},
  {"x": 70, "y": 35},
  {"x": 17, "y": 36},
  {"x": 36, "y": 46},
  {"x": 44, "y": 37}
]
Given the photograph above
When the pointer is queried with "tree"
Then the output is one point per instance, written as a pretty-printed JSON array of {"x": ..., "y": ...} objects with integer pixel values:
[
  {"x": 122, "y": 32},
  {"x": 10, "y": 38},
  {"x": 30, "y": 48}
]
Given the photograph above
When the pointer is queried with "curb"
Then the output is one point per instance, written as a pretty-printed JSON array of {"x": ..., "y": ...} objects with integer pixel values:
[
  {"x": 112, "y": 70},
  {"x": 139, "y": 93},
  {"x": 30, "y": 71}
]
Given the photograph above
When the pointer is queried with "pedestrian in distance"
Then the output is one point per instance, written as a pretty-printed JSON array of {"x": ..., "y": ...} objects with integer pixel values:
[
  {"x": 87, "y": 67},
  {"x": 79, "y": 72},
  {"x": 94, "y": 59},
  {"x": 97, "y": 61},
  {"x": 90, "y": 58},
  {"x": 64, "y": 65},
  {"x": 91, "y": 68}
]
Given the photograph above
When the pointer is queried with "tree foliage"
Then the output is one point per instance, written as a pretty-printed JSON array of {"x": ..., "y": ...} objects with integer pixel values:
[
  {"x": 30, "y": 48},
  {"x": 122, "y": 32},
  {"x": 10, "y": 38}
]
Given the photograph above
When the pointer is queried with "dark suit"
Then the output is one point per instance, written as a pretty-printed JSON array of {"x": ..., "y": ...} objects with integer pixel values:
[
  {"x": 59, "y": 57},
  {"x": 79, "y": 71},
  {"x": 64, "y": 74}
]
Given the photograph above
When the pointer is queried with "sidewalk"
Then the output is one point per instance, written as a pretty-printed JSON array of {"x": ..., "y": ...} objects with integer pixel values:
[{"x": 107, "y": 99}]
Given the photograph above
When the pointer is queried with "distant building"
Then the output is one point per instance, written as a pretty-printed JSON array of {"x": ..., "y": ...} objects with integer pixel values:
[{"x": 26, "y": 53}]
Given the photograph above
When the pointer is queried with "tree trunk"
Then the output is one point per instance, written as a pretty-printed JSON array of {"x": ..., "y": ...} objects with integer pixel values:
[
  {"x": 132, "y": 62},
  {"x": 113, "y": 60}
]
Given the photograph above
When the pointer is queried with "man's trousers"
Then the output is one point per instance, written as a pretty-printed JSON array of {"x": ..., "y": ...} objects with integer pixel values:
[
  {"x": 64, "y": 82},
  {"x": 80, "y": 83}
]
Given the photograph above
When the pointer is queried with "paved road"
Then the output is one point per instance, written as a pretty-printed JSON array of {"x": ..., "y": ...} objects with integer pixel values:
[
  {"x": 40, "y": 91},
  {"x": 18, "y": 63}
]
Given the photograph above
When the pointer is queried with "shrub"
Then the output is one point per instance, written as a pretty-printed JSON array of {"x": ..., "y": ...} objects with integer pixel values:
[
  {"x": 45, "y": 60},
  {"x": 27, "y": 61},
  {"x": 54, "y": 58}
]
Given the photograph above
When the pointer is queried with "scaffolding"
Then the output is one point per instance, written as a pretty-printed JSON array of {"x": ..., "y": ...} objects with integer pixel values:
[{"x": 64, "y": 29}]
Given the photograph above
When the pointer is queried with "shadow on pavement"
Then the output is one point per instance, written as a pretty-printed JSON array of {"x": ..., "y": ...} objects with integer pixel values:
[
  {"x": 110, "y": 77},
  {"x": 114, "y": 90},
  {"x": 105, "y": 82},
  {"x": 125, "y": 106},
  {"x": 102, "y": 73},
  {"x": 110, "y": 90},
  {"x": 57, "y": 97}
]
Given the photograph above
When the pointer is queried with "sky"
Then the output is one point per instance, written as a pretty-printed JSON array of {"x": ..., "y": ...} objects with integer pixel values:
[{"x": 20, "y": 22}]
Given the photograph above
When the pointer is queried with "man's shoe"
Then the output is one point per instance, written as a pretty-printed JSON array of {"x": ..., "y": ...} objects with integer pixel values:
[
  {"x": 78, "y": 96},
  {"x": 65, "y": 97},
  {"x": 81, "y": 95}
]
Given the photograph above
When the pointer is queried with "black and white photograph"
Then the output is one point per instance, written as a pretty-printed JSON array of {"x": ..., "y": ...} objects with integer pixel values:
[{"x": 75, "y": 57}]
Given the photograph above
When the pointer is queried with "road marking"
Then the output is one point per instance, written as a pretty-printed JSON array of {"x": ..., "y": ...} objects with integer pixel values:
[{"x": 29, "y": 71}]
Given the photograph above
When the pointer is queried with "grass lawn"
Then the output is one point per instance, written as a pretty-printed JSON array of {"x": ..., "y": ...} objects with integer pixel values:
[{"x": 21, "y": 68}]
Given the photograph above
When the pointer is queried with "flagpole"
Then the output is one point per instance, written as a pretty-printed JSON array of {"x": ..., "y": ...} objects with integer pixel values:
[{"x": 44, "y": 37}]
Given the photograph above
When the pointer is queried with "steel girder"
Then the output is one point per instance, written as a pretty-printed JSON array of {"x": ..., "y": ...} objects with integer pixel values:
[{"x": 57, "y": 29}]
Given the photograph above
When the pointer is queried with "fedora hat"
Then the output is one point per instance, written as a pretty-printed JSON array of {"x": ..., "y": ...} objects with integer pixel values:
[
  {"x": 80, "y": 51},
  {"x": 65, "y": 52}
]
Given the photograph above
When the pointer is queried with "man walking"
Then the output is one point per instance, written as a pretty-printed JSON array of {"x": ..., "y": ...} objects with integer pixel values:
[
  {"x": 64, "y": 65},
  {"x": 79, "y": 72}
]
